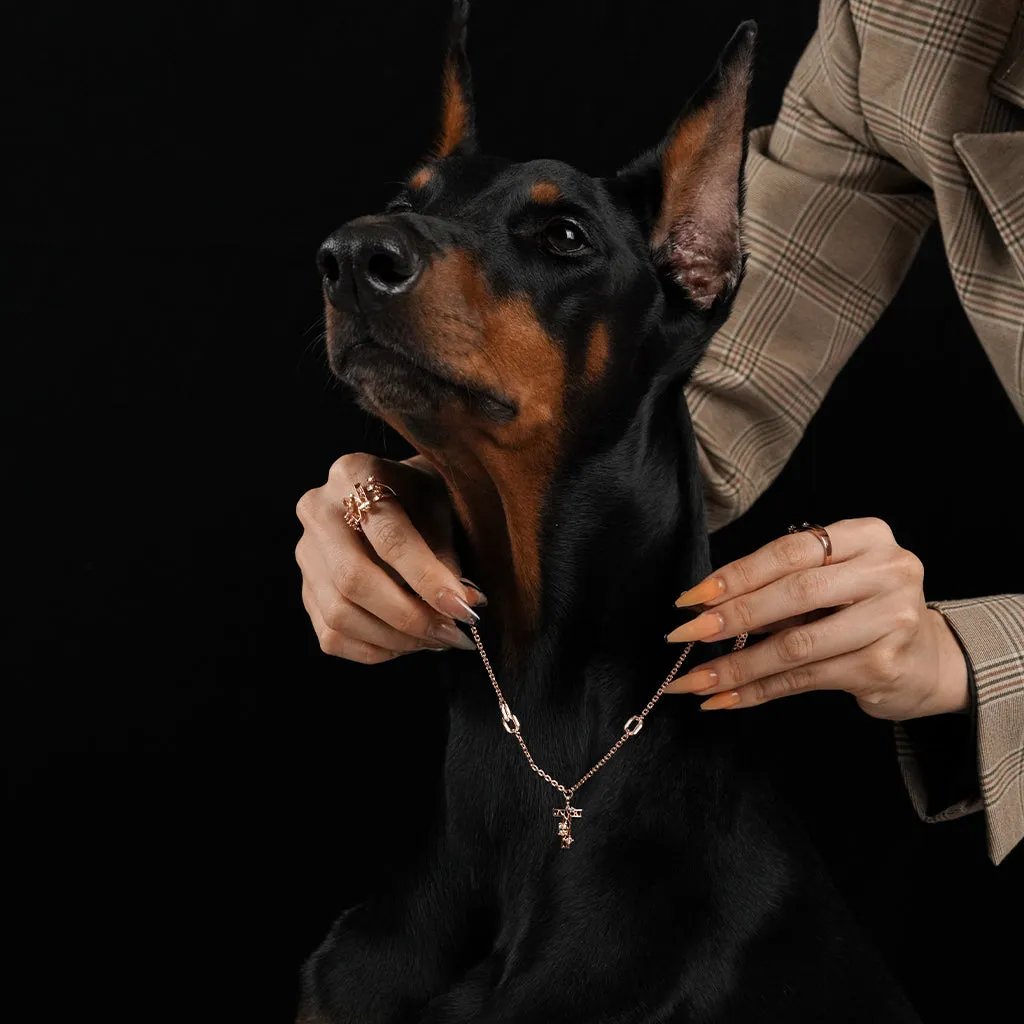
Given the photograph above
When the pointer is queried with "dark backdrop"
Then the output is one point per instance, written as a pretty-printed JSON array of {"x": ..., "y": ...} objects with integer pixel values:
[{"x": 195, "y": 789}]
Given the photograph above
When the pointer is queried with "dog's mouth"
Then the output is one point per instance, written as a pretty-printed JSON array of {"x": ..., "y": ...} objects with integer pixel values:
[{"x": 392, "y": 376}]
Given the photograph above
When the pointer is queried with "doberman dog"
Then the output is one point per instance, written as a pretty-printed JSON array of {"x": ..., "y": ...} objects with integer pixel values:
[{"x": 529, "y": 328}]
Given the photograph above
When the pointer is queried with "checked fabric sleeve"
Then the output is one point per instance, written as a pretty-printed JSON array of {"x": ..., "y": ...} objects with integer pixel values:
[
  {"x": 832, "y": 224},
  {"x": 991, "y": 632}
]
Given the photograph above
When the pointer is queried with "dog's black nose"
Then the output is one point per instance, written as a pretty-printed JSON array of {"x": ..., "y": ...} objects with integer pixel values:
[{"x": 367, "y": 263}]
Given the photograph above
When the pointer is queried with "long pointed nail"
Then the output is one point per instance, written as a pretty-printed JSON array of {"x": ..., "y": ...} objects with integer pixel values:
[
  {"x": 720, "y": 701},
  {"x": 478, "y": 597},
  {"x": 451, "y": 604},
  {"x": 697, "y": 681},
  {"x": 451, "y": 636},
  {"x": 704, "y": 627},
  {"x": 706, "y": 590}
]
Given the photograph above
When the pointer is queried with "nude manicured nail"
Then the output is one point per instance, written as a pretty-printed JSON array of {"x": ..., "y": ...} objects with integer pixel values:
[
  {"x": 477, "y": 597},
  {"x": 720, "y": 701},
  {"x": 706, "y": 590},
  {"x": 451, "y": 636},
  {"x": 451, "y": 604},
  {"x": 701, "y": 628},
  {"x": 696, "y": 681}
]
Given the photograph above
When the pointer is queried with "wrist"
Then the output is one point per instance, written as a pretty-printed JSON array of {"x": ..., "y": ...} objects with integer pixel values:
[{"x": 951, "y": 694}]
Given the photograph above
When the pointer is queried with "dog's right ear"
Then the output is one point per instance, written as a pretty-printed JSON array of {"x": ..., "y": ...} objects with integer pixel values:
[
  {"x": 457, "y": 120},
  {"x": 687, "y": 191}
]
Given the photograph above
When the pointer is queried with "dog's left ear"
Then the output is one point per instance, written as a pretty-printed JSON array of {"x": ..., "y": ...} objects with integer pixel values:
[
  {"x": 688, "y": 190},
  {"x": 458, "y": 132}
]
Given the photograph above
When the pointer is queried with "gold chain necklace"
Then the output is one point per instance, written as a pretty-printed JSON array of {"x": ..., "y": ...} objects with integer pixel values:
[{"x": 633, "y": 725}]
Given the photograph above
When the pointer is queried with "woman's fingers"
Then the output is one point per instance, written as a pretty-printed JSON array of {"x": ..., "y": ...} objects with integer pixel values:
[
  {"x": 339, "y": 644},
  {"x": 351, "y": 580},
  {"x": 844, "y": 672},
  {"x": 397, "y": 542},
  {"x": 361, "y": 599},
  {"x": 788, "y": 651},
  {"x": 344, "y": 616},
  {"x": 784, "y": 556},
  {"x": 801, "y": 592}
]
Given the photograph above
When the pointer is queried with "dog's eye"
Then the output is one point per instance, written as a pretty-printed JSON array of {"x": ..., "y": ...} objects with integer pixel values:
[
  {"x": 398, "y": 205},
  {"x": 564, "y": 237}
]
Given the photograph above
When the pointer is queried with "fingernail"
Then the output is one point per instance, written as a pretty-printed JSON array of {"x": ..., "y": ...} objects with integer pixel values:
[
  {"x": 720, "y": 701},
  {"x": 451, "y": 604},
  {"x": 697, "y": 681},
  {"x": 478, "y": 597},
  {"x": 706, "y": 590},
  {"x": 704, "y": 627},
  {"x": 451, "y": 636}
]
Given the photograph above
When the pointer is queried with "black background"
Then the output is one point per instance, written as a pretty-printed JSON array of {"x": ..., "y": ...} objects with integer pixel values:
[{"x": 195, "y": 789}]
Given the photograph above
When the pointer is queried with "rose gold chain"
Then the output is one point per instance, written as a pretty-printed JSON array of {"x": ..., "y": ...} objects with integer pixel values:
[{"x": 633, "y": 724}]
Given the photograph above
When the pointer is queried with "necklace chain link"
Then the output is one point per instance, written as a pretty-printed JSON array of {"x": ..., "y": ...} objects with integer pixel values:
[{"x": 632, "y": 726}]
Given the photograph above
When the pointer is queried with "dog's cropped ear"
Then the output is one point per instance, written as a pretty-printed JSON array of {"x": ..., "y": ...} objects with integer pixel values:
[
  {"x": 688, "y": 190},
  {"x": 457, "y": 121}
]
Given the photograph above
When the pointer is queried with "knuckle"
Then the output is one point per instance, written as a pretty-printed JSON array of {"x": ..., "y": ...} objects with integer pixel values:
[
  {"x": 883, "y": 664},
  {"x": 905, "y": 619},
  {"x": 795, "y": 645},
  {"x": 743, "y": 573},
  {"x": 330, "y": 642},
  {"x": 790, "y": 552},
  {"x": 807, "y": 588},
  {"x": 735, "y": 672},
  {"x": 413, "y": 622},
  {"x": 366, "y": 654},
  {"x": 909, "y": 568},
  {"x": 347, "y": 578},
  {"x": 334, "y": 615},
  {"x": 419, "y": 578},
  {"x": 344, "y": 472},
  {"x": 879, "y": 528},
  {"x": 741, "y": 614},
  {"x": 349, "y": 464},
  {"x": 305, "y": 506},
  {"x": 784, "y": 684},
  {"x": 389, "y": 538}
]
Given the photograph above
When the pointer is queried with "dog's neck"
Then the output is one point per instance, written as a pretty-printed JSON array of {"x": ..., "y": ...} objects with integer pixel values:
[{"x": 622, "y": 533}]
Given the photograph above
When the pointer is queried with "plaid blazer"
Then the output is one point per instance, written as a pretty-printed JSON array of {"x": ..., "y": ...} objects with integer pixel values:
[{"x": 898, "y": 112}]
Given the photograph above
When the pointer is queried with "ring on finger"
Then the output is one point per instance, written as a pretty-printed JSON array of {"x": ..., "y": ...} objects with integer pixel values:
[
  {"x": 821, "y": 533},
  {"x": 361, "y": 500}
]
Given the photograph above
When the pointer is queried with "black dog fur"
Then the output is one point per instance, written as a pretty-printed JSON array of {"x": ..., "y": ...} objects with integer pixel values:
[{"x": 568, "y": 451}]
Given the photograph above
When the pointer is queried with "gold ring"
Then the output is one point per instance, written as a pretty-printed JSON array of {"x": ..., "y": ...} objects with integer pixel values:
[
  {"x": 362, "y": 499},
  {"x": 821, "y": 533}
]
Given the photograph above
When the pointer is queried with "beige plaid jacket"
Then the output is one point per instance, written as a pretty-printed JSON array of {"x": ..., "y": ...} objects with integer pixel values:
[{"x": 898, "y": 112}]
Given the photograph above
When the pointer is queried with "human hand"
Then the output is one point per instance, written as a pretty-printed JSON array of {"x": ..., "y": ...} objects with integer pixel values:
[
  {"x": 859, "y": 624},
  {"x": 352, "y": 583}
]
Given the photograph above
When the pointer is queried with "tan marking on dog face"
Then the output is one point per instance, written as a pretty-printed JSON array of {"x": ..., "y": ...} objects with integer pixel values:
[
  {"x": 455, "y": 112},
  {"x": 598, "y": 351},
  {"x": 498, "y": 474},
  {"x": 421, "y": 177},
  {"x": 545, "y": 192}
]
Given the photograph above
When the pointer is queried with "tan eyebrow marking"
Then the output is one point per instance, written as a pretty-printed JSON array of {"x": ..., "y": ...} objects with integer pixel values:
[
  {"x": 421, "y": 177},
  {"x": 545, "y": 192}
]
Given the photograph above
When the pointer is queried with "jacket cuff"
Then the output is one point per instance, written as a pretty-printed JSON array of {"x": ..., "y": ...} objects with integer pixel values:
[{"x": 954, "y": 765}]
